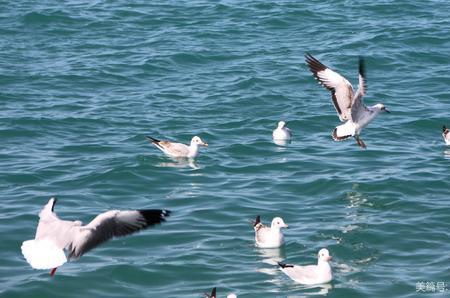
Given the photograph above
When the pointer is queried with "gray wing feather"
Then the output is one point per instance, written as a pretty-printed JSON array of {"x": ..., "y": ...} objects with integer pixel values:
[
  {"x": 262, "y": 233},
  {"x": 358, "y": 108},
  {"x": 301, "y": 272},
  {"x": 174, "y": 149},
  {"x": 113, "y": 224},
  {"x": 340, "y": 88}
]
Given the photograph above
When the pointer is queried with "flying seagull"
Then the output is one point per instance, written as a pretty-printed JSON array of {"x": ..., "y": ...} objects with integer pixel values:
[
  {"x": 311, "y": 274},
  {"x": 446, "y": 135},
  {"x": 269, "y": 237},
  {"x": 349, "y": 105},
  {"x": 54, "y": 235},
  {"x": 177, "y": 149}
]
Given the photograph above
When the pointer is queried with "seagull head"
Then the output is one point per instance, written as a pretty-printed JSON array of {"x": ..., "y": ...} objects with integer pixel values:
[
  {"x": 324, "y": 255},
  {"x": 196, "y": 140},
  {"x": 281, "y": 124},
  {"x": 278, "y": 223},
  {"x": 381, "y": 108}
]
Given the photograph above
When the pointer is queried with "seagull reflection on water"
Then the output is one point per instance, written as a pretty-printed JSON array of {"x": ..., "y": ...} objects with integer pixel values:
[
  {"x": 282, "y": 142},
  {"x": 447, "y": 153},
  {"x": 272, "y": 256},
  {"x": 180, "y": 163}
]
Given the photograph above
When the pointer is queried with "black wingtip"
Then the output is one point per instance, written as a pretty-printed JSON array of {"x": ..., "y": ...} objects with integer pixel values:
[
  {"x": 213, "y": 293},
  {"x": 314, "y": 65},
  {"x": 153, "y": 140},
  {"x": 283, "y": 265},
  {"x": 362, "y": 68},
  {"x": 257, "y": 220},
  {"x": 54, "y": 203},
  {"x": 154, "y": 216}
]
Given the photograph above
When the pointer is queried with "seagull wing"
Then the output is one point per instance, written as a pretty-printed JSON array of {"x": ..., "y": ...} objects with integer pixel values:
[
  {"x": 54, "y": 229},
  {"x": 341, "y": 89},
  {"x": 111, "y": 224},
  {"x": 288, "y": 131},
  {"x": 358, "y": 106},
  {"x": 302, "y": 274},
  {"x": 262, "y": 233},
  {"x": 173, "y": 149}
]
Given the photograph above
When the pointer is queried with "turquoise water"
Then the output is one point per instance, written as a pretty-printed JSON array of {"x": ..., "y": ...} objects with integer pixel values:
[{"x": 83, "y": 83}]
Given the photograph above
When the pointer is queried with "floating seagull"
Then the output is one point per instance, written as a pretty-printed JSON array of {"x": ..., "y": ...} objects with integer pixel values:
[
  {"x": 282, "y": 132},
  {"x": 311, "y": 274},
  {"x": 213, "y": 294},
  {"x": 266, "y": 237},
  {"x": 349, "y": 105},
  {"x": 54, "y": 235},
  {"x": 178, "y": 149},
  {"x": 446, "y": 135}
]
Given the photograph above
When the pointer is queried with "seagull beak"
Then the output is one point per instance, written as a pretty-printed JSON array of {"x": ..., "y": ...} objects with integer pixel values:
[
  {"x": 329, "y": 258},
  {"x": 286, "y": 226},
  {"x": 387, "y": 111},
  {"x": 205, "y": 144}
]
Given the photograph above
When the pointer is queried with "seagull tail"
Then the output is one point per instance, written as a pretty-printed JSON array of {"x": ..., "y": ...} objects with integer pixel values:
[
  {"x": 283, "y": 265},
  {"x": 212, "y": 295},
  {"x": 444, "y": 129},
  {"x": 257, "y": 221},
  {"x": 153, "y": 140},
  {"x": 43, "y": 254},
  {"x": 343, "y": 132}
]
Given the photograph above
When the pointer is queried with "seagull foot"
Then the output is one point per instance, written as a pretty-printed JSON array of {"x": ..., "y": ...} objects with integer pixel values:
[
  {"x": 360, "y": 142},
  {"x": 52, "y": 272}
]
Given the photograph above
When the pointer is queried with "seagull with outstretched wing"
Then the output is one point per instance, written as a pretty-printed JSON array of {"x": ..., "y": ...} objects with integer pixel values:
[
  {"x": 348, "y": 104},
  {"x": 54, "y": 235}
]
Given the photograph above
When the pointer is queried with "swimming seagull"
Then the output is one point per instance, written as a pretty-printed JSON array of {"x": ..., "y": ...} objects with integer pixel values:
[
  {"x": 266, "y": 237},
  {"x": 178, "y": 149},
  {"x": 311, "y": 274},
  {"x": 282, "y": 132},
  {"x": 54, "y": 235},
  {"x": 213, "y": 294},
  {"x": 349, "y": 105},
  {"x": 446, "y": 135}
]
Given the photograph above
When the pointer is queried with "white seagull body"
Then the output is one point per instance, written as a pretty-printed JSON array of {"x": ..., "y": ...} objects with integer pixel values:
[
  {"x": 178, "y": 150},
  {"x": 349, "y": 105},
  {"x": 54, "y": 235},
  {"x": 446, "y": 135},
  {"x": 269, "y": 237},
  {"x": 282, "y": 132},
  {"x": 311, "y": 274}
]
